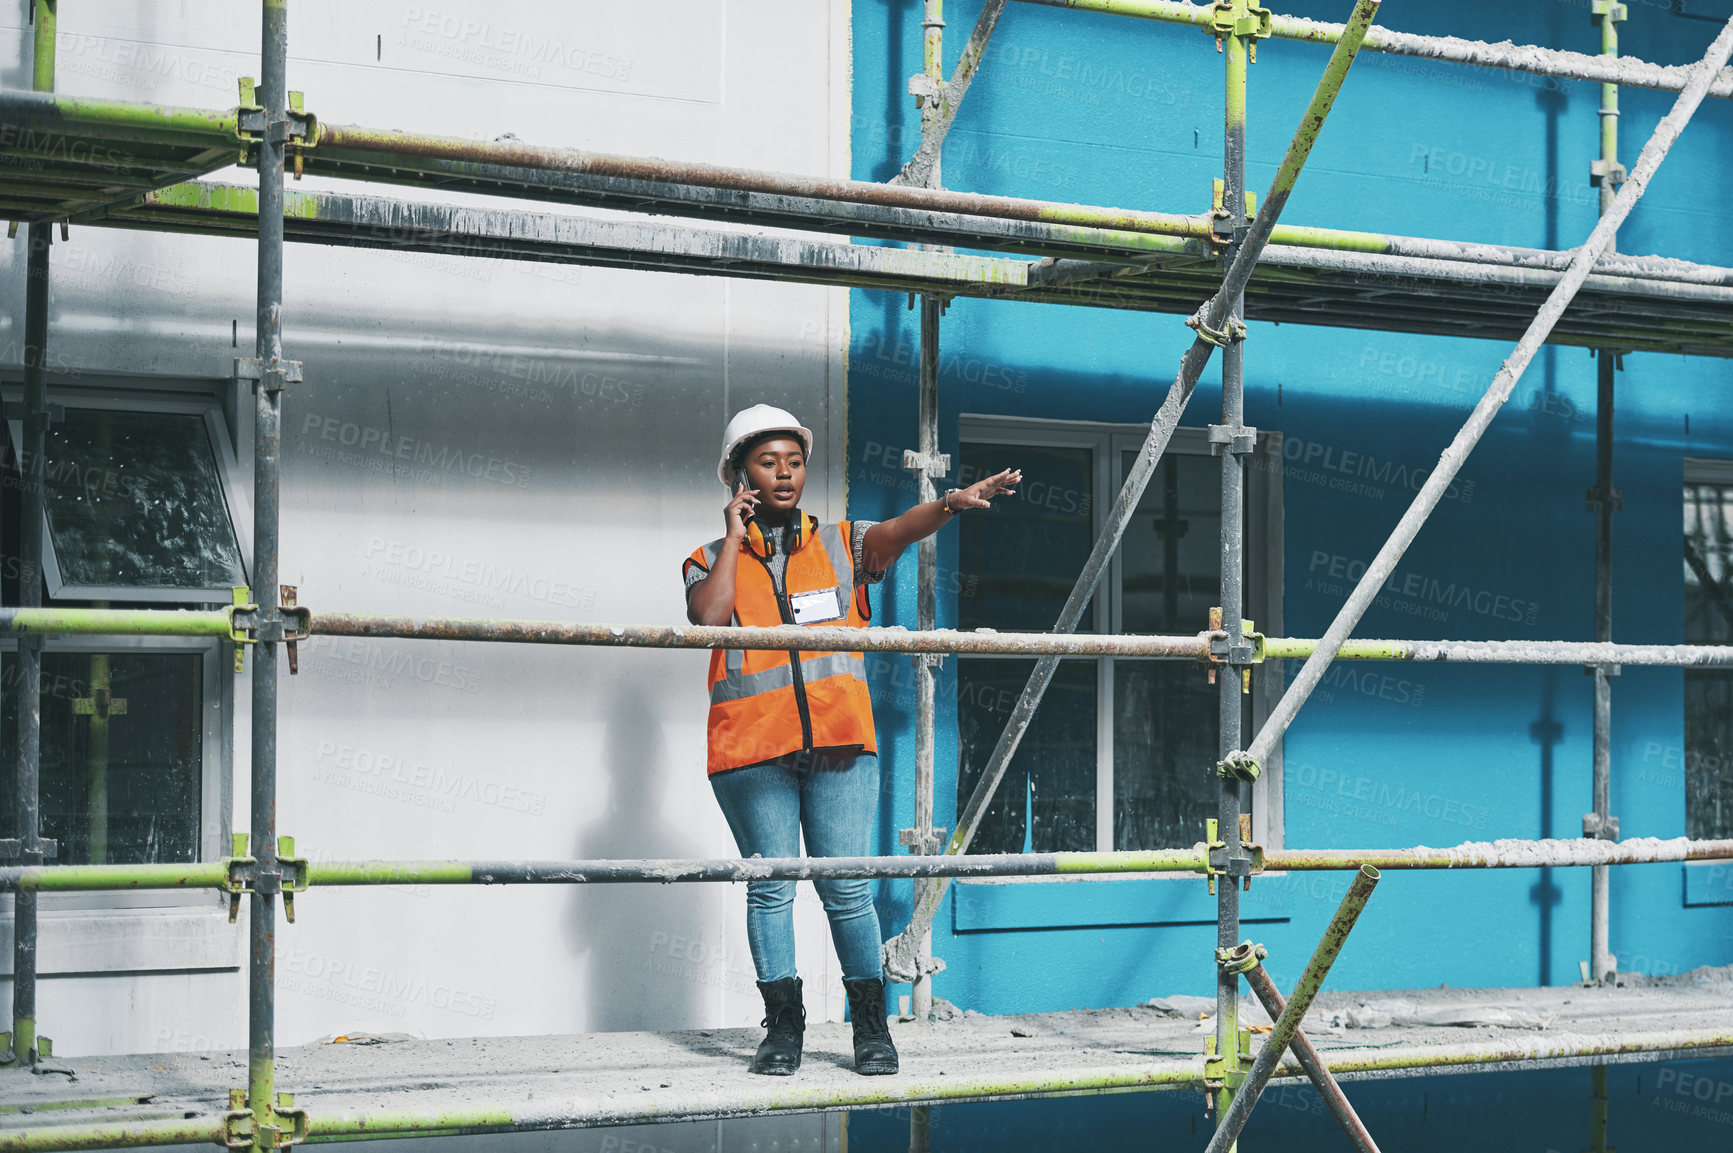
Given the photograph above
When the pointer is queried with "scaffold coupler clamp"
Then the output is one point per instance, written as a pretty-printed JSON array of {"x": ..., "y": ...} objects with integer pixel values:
[
  {"x": 926, "y": 842},
  {"x": 1218, "y": 1074},
  {"x": 1241, "y": 653},
  {"x": 241, "y": 1127},
  {"x": 1607, "y": 9},
  {"x": 273, "y": 375},
  {"x": 1224, "y": 229},
  {"x": 933, "y": 465},
  {"x": 1217, "y": 862},
  {"x": 1238, "y": 18},
  {"x": 241, "y": 631},
  {"x": 1230, "y": 331},
  {"x": 1242, "y": 958},
  {"x": 297, "y": 131},
  {"x": 1599, "y": 828},
  {"x": 297, "y": 624},
  {"x": 244, "y": 875},
  {"x": 928, "y": 93},
  {"x": 1595, "y": 494}
]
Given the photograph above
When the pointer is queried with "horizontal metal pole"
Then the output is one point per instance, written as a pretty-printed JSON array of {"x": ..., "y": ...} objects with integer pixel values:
[
  {"x": 817, "y": 638},
  {"x": 855, "y": 1093},
  {"x": 114, "y": 622},
  {"x": 116, "y": 120},
  {"x": 1529, "y": 58},
  {"x": 112, "y": 878},
  {"x": 983, "y": 642},
  {"x": 113, "y": 1135},
  {"x": 1505, "y": 854},
  {"x": 1419, "y": 1058},
  {"x": 1703, "y": 284},
  {"x": 1502, "y": 854},
  {"x": 467, "y": 231},
  {"x": 343, "y": 142},
  {"x": 1289, "y": 236},
  {"x": 1512, "y": 652},
  {"x": 986, "y": 642}
]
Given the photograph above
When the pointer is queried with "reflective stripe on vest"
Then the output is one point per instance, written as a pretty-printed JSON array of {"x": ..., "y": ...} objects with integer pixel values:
[{"x": 737, "y": 685}]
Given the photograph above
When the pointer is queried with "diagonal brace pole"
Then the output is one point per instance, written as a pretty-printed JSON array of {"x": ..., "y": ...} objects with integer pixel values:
[
  {"x": 1211, "y": 323},
  {"x": 1288, "y": 1023},
  {"x": 1666, "y": 133},
  {"x": 1322, "y": 1079},
  {"x": 947, "y": 98}
]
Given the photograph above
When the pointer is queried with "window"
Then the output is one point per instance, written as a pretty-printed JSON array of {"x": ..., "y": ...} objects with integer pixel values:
[
  {"x": 1708, "y": 621},
  {"x": 1119, "y": 752},
  {"x": 142, "y": 504},
  {"x": 136, "y": 505},
  {"x": 132, "y": 744}
]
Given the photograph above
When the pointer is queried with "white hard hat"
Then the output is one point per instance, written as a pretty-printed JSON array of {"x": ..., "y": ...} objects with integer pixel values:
[{"x": 754, "y": 422}]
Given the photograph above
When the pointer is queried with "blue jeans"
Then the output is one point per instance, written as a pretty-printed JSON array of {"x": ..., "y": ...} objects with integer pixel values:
[{"x": 836, "y": 804}]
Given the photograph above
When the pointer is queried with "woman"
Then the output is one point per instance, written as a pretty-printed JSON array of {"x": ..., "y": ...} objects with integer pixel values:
[{"x": 791, "y": 744}]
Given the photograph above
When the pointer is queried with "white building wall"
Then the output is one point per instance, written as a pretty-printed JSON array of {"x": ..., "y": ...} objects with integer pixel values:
[{"x": 566, "y": 422}]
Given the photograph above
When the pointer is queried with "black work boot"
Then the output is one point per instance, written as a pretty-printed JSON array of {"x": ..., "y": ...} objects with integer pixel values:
[
  {"x": 785, "y": 1024},
  {"x": 874, "y": 1054}
]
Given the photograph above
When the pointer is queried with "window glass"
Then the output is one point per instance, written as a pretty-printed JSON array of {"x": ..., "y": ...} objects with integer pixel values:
[
  {"x": 1142, "y": 732},
  {"x": 1026, "y": 551},
  {"x": 135, "y": 501},
  {"x": 1171, "y": 555},
  {"x": 122, "y": 755},
  {"x": 1165, "y": 713},
  {"x": 1708, "y": 692},
  {"x": 1054, "y": 767}
]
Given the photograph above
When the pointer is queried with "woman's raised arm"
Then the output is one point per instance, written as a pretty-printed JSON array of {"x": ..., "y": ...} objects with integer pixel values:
[{"x": 886, "y": 540}]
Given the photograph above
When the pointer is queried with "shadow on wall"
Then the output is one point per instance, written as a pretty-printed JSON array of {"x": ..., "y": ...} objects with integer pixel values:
[{"x": 649, "y": 965}]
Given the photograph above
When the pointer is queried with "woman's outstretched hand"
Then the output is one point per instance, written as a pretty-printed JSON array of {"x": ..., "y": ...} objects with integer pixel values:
[{"x": 981, "y": 493}]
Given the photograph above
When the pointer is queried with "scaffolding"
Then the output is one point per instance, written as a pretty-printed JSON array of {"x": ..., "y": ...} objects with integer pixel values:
[{"x": 112, "y": 164}]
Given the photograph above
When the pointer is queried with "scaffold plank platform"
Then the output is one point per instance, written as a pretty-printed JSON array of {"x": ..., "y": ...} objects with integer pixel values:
[
  {"x": 1290, "y": 285},
  {"x": 559, "y": 1082}
]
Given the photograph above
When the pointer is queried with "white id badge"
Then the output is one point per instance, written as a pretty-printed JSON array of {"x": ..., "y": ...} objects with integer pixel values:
[{"x": 819, "y": 605}]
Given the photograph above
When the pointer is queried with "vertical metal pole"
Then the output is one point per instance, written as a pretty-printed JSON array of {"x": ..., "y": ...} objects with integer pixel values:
[
  {"x": 1607, "y": 172},
  {"x": 267, "y": 417},
  {"x": 25, "y": 1044},
  {"x": 1601, "y": 962},
  {"x": 1232, "y": 548},
  {"x": 927, "y": 559},
  {"x": 926, "y": 576},
  {"x": 926, "y": 602}
]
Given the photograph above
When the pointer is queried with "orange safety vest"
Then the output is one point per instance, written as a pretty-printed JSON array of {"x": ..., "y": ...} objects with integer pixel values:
[{"x": 762, "y": 704}]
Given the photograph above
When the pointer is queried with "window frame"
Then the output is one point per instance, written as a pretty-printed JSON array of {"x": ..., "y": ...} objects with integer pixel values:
[
  {"x": 236, "y": 494},
  {"x": 1264, "y": 568}
]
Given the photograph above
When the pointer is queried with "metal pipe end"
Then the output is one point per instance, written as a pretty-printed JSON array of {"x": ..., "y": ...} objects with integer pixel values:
[{"x": 1370, "y": 873}]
